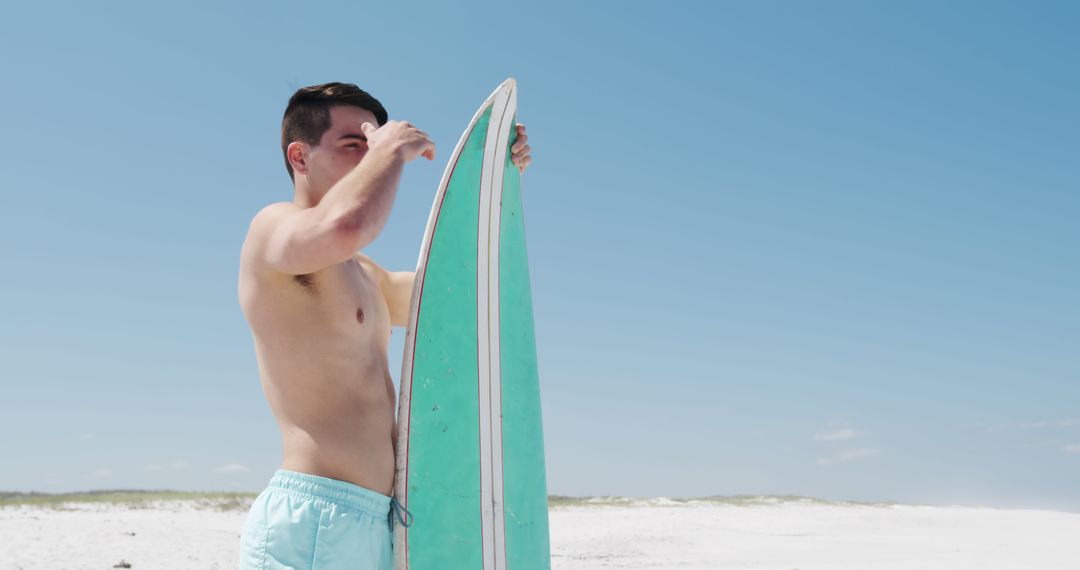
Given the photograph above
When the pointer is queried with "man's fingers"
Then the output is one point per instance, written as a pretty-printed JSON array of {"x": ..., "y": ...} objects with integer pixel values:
[
  {"x": 429, "y": 151},
  {"x": 367, "y": 128},
  {"x": 520, "y": 150},
  {"x": 524, "y": 164},
  {"x": 519, "y": 143}
]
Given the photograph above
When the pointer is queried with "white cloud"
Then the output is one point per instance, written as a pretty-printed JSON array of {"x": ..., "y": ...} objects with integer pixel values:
[
  {"x": 85, "y": 436},
  {"x": 153, "y": 467},
  {"x": 837, "y": 435},
  {"x": 849, "y": 454},
  {"x": 1072, "y": 448},
  {"x": 102, "y": 473},
  {"x": 824, "y": 461},
  {"x": 232, "y": 468},
  {"x": 177, "y": 465}
]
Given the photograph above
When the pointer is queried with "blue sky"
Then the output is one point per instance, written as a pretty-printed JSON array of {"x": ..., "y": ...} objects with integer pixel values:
[{"x": 827, "y": 248}]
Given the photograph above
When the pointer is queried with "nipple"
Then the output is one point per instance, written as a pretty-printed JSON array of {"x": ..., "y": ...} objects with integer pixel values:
[{"x": 360, "y": 315}]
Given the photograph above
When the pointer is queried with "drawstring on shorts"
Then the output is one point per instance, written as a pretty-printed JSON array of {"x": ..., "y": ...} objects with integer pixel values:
[{"x": 397, "y": 509}]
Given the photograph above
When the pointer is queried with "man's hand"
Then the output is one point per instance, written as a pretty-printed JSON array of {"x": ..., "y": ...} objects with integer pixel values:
[
  {"x": 520, "y": 150},
  {"x": 402, "y": 137}
]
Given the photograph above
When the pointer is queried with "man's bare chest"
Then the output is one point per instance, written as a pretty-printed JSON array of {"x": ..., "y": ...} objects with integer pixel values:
[{"x": 347, "y": 295}]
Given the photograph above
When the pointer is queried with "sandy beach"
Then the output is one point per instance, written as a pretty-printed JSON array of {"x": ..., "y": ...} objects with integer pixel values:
[{"x": 758, "y": 534}]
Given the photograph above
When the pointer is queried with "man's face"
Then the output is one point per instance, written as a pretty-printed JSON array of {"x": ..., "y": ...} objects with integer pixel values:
[{"x": 340, "y": 148}]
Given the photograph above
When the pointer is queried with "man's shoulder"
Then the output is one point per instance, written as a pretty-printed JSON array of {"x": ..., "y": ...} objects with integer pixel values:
[
  {"x": 264, "y": 221},
  {"x": 257, "y": 276},
  {"x": 260, "y": 229}
]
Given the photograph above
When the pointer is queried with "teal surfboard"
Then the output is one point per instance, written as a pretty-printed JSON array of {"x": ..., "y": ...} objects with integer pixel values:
[{"x": 470, "y": 453}]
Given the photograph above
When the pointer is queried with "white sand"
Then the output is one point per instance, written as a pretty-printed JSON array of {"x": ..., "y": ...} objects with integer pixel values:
[{"x": 653, "y": 534}]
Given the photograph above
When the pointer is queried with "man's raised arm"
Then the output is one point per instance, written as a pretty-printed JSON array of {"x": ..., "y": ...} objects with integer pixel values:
[{"x": 299, "y": 241}]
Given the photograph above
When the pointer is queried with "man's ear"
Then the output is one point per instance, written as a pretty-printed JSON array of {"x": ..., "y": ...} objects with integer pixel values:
[{"x": 297, "y": 153}]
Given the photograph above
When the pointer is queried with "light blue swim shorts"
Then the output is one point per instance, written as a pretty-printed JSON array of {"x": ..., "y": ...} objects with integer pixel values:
[{"x": 307, "y": 522}]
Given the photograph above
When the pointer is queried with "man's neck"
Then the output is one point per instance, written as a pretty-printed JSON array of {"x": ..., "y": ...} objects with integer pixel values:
[{"x": 303, "y": 196}]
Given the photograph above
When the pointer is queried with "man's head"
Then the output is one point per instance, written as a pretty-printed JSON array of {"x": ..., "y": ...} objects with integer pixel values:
[{"x": 320, "y": 132}]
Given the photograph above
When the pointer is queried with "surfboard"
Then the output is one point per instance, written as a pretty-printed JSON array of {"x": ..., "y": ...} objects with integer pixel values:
[{"x": 470, "y": 450}]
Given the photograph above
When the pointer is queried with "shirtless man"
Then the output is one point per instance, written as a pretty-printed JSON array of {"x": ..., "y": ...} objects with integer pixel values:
[{"x": 321, "y": 313}]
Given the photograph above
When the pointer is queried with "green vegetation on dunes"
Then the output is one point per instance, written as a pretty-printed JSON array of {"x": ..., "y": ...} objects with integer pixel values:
[
  {"x": 222, "y": 501},
  {"x": 130, "y": 498}
]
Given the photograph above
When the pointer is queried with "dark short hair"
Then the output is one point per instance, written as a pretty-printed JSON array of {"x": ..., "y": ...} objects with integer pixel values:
[{"x": 308, "y": 115}]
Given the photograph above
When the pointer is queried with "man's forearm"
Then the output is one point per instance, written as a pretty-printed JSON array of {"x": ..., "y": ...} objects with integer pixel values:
[{"x": 361, "y": 201}]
